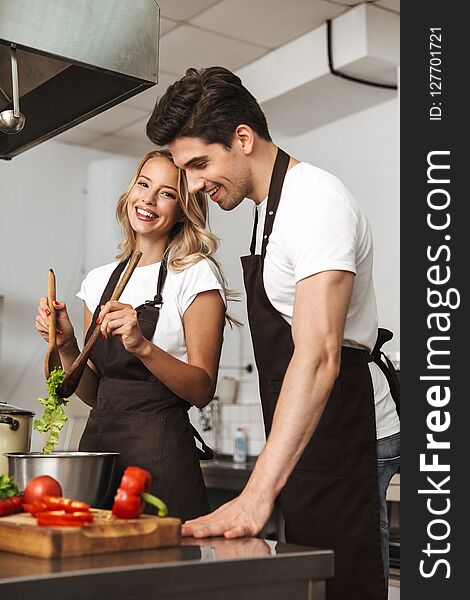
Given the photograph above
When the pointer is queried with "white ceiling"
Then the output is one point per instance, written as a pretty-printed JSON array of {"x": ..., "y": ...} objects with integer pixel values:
[{"x": 203, "y": 33}]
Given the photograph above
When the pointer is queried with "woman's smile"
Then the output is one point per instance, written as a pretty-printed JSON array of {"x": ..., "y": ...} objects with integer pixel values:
[{"x": 145, "y": 214}]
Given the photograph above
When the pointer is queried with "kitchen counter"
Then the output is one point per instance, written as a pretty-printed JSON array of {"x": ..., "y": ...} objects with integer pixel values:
[{"x": 248, "y": 568}]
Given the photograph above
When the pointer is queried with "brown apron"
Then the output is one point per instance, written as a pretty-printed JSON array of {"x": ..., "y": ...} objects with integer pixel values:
[
  {"x": 139, "y": 417},
  {"x": 331, "y": 499}
]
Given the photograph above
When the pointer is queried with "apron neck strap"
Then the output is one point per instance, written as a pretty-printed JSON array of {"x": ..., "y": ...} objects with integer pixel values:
[
  {"x": 116, "y": 274},
  {"x": 275, "y": 187},
  {"x": 113, "y": 280},
  {"x": 162, "y": 273},
  {"x": 253, "y": 235},
  {"x": 158, "y": 298},
  {"x": 149, "y": 312}
]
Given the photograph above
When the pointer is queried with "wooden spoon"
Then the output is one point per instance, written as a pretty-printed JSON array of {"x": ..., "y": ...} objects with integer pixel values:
[
  {"x": 52, "y": 359},
  {"x": 73, "y": 375}
]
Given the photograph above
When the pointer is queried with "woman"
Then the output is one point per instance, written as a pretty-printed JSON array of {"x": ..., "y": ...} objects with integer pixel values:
[{"x": 155, "y": 359}]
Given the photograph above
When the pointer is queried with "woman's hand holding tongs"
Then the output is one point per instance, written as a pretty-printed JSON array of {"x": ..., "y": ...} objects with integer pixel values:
[
  {"x": 118, "y": 319},
  {"x": 64, "y": 327}
]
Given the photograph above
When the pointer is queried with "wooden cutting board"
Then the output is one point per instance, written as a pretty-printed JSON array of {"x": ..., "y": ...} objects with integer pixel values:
[{"x": 20, "y": 534}]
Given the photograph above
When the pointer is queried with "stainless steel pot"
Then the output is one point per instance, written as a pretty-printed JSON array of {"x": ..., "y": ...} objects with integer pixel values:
[
  {"x": 16, "y": 426},
  {"x": 88, "y": 476}
]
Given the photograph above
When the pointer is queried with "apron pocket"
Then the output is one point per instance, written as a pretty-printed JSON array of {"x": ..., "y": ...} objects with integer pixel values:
[
  {"x": 132, "y": 402},
  {"x": 324, "y": 453},
  {"x": 137, "y": 436}
]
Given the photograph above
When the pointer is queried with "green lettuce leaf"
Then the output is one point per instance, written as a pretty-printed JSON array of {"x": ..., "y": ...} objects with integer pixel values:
[{"x": 54, "y": 417}]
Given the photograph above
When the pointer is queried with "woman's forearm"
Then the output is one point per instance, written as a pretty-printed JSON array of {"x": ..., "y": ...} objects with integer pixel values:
[
  {"x": 88, "y": 385},
  {"x": 189, "y": 382},
  {"x": 203, "y": 322}
]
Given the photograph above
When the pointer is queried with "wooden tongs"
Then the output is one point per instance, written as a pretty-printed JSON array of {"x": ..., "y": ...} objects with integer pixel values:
[
  {"x": 73, "y": 375},
  {"x": 52, "y": 359}
]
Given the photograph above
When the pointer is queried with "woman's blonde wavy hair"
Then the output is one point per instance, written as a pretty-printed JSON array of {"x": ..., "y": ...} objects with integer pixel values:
[{"x": 190, "y": 240}]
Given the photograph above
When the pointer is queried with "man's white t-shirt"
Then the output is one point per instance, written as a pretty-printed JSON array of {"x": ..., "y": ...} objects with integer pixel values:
[
  {"x": 320, "y": 227},
  {"x": 179, "y": 291}
]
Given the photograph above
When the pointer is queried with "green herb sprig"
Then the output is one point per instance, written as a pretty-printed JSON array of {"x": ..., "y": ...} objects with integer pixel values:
[
  {"x": 54, "y": 417},
  {"x": 8, "y": 488}
]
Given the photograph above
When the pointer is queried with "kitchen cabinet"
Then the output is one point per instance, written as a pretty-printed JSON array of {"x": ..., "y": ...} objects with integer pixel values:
[{"x": 249, "y": 568}]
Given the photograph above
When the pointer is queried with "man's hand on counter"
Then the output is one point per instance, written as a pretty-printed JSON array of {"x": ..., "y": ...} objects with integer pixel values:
[{"x": 245, "y": 515}]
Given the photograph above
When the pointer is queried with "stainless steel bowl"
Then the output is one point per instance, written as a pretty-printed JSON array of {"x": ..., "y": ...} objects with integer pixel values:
[{"x": 87, "y": 476}]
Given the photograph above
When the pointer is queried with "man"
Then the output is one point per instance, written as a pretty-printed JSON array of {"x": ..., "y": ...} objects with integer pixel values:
[{"x": 312, "y": 314}]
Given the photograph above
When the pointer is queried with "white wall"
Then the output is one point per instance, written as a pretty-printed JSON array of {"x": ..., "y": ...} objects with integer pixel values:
[
  {"x": 42, "y": 226},
  {"x": 234, "y": 230}
]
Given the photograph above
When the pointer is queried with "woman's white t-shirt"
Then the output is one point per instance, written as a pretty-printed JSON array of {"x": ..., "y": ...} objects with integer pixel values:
[
  {"x": 319, "y": 226},
  {"x": 179, "y": 291}
]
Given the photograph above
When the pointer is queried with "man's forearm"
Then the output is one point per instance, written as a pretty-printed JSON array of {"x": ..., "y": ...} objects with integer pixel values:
[{"x": 305, "y": 390}]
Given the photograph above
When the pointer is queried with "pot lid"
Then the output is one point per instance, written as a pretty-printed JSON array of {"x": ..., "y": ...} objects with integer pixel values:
[{"x": 14, "y": 410}]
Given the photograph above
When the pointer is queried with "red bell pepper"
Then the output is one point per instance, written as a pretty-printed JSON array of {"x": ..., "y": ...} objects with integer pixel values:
[
  {"x": 132, "y": 494},
  {"x": 127, "y": 505},
  {"x": 35, "y": 507},
  {"x": 136, "y": 480},
  {"x": 60, "y": 512},
  {"x": 48, "y": 503},
  {"x": 59, "y": 503},
  {"x": 61, "y": 518}
]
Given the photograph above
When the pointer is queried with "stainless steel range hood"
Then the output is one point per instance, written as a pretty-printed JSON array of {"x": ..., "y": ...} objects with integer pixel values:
[{"x": 76, "y": 58}]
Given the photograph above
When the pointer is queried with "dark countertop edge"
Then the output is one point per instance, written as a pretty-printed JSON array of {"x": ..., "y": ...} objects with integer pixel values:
[
  {"x": 218, "y": 463},
  {"x": 309, "y": 564}
]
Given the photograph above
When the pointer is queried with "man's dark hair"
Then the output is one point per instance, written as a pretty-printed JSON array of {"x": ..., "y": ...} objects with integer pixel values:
[{"x": 209, "y": 104}]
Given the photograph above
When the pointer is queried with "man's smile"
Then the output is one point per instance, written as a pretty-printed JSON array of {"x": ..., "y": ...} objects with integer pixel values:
[{"x": 213, "y": 192}]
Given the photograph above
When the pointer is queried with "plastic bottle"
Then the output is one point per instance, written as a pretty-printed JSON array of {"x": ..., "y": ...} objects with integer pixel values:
[{"x": 240, "y": 446}]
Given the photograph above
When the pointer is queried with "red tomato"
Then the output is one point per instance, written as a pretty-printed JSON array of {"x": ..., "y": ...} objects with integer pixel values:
[{"x": 39, "y": 487}]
